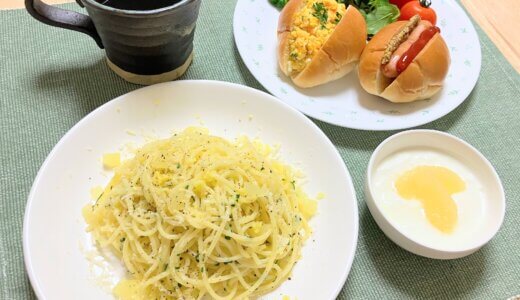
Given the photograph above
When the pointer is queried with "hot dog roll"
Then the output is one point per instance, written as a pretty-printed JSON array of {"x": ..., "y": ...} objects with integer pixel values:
[{"x": 405, "y": 61}]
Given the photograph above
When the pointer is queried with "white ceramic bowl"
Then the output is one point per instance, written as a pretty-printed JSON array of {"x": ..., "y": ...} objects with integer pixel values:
[{"x": 460, "y": 150}]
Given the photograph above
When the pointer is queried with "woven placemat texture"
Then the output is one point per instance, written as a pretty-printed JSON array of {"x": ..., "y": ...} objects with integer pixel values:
[{"x": 50, "y": 78}]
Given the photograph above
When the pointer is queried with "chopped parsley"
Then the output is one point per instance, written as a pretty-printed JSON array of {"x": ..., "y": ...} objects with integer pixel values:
[
  {"x": 320, "y": 12},
  {"x": 227, "y": 237},
  {"x": 165, "y": 267},
  {"x": 338, "y": 17}
]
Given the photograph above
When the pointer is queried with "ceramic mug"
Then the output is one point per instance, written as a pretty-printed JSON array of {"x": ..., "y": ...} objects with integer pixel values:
[{"x": 144, "y": 46}]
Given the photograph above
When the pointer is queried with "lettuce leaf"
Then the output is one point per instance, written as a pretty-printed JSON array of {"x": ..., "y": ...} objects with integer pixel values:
[
  {"x": 279, "y": 3},
  {"x": 380, "y": 14},
  {"x": 377, "y": 13}
]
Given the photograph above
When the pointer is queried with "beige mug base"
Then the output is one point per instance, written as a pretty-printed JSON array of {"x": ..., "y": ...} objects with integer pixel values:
[{"x": 151, "y": 79}]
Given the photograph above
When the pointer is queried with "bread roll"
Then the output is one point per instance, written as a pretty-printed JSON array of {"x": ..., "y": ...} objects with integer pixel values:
[
  {"x": 336, "y": 57},
  {"x": 420, "y": 80}
]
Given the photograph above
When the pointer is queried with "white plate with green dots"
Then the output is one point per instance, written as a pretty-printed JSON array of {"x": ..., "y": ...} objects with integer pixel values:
[{"x": 343, "y": 102}]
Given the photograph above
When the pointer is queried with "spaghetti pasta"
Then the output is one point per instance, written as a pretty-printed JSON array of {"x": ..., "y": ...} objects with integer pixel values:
[{"x": 196, "y": 216}]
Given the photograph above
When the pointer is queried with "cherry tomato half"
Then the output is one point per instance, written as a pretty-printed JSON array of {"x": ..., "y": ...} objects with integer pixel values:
[
  {"x": 421, "y": 8},
  {"x": 400, "y": 3}
]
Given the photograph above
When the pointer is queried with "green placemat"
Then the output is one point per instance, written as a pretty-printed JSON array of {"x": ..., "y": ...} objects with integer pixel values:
[{"x": 51, "y": 78}]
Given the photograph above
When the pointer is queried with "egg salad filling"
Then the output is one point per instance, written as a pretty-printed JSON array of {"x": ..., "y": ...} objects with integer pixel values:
[{"x": 312, "y": 26}]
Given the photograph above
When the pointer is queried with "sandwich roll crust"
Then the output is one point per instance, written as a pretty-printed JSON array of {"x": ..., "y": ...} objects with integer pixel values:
[
  {"x": 284, "y": 32},
  {"x": 311, "y": 57}
]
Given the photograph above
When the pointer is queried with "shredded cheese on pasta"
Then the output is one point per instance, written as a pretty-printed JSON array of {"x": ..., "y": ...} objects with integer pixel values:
[{"x": 196, "y": 216}]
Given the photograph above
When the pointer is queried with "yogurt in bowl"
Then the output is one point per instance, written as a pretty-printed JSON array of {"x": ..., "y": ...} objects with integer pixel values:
[{"x": 433, "y": 194}]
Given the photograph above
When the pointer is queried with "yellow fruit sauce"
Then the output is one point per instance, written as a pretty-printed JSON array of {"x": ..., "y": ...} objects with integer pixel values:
[
  {"x": 312, "y": 26},
  {"x": 433, "y": 186}
]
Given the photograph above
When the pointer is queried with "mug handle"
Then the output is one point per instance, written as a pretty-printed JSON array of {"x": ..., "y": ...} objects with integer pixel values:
[{"x": 62, "y": 18}]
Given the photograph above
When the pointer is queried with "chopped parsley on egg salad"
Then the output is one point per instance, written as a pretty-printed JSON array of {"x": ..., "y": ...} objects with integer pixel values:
[{"x": 312, "y": 26}]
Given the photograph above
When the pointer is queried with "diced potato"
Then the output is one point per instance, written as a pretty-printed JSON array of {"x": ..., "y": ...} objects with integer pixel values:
[
  {"x": 95, "y": 192},
  {"x": 111, "y": 160},
  {"x": 128, "y": 290},
  {"x": 307, "y": 207}
]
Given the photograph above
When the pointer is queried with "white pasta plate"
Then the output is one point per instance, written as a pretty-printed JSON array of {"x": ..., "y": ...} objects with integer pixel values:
[
  {"x": 60, "y": 257},
  {"x": 343, "y": 102}
]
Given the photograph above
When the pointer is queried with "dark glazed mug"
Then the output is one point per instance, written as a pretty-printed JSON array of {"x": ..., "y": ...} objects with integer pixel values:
[{"x": 142, "y": 46}]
